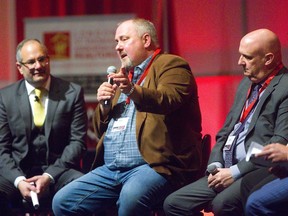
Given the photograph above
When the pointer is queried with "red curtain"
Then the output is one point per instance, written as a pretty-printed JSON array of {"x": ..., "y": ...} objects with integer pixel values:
[{"x": 148, "y": 9}]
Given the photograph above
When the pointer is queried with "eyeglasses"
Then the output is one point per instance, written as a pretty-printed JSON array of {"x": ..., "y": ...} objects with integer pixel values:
[{"x": 32, "y": 62}]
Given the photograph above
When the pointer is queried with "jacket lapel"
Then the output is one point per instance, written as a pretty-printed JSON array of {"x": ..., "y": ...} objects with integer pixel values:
[
  {"x": 52, "y": 105},
  {"x": 240, "y": 102},
  {"x": 25, "y": 108},
  {"x": 268, "y": 91}
]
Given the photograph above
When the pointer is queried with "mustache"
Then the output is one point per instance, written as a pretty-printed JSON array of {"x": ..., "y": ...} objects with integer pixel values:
[{"x": 38, "y": 72}]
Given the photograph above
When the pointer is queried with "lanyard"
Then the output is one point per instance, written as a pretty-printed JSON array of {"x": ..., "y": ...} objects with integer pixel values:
[
  {"x": 131, "y": 73},
  {"x": 248, "y": 109}
]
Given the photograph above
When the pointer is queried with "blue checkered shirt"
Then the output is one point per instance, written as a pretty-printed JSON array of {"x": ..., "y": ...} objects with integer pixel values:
[{"x": 120, "y": 147}]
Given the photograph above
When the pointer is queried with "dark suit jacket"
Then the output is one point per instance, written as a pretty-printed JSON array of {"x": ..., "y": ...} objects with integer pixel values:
[
  {"x": 168, "y": 119},
  {"x": 65, "y": 128},
  {"x": 269, "y": 123}
]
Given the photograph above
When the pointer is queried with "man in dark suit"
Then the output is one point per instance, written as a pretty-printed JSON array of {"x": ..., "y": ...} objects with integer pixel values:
[
  {"x": 40, "y": 148},
  {"x": 263, "y": 120}
]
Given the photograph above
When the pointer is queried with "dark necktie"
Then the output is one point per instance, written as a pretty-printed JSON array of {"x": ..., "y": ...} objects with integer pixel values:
[
  {"x": 229, "y": 154},
  {"x": 254, "y": 93}
]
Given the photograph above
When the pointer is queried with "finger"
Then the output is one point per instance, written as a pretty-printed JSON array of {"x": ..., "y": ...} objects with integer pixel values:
[
  {"x": 212, "y": 183},
  {"x": 123, "y": 70},
  {"x": 32, "y": 179}
]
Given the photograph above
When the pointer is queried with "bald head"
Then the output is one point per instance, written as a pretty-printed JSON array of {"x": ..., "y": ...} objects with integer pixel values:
[
  {"x": 264, "y": 41},
  {"x": 260, "y": 54}
]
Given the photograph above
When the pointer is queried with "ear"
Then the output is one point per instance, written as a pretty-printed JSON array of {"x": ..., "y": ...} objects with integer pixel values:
[
  {"x": 19, "y": 67},
  {"x": 146, "y": 40},
  {"x": 269, "y": 57}
]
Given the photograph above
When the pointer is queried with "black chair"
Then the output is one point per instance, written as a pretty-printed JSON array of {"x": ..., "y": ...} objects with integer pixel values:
[{"x": 206, "y": 149}]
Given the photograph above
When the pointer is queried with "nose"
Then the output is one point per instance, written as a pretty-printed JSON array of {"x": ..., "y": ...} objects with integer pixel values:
[
  {"x": 37, "y": 64},
  {"x": 118, "y": 46},
  {"x": 240, "y": 61}
]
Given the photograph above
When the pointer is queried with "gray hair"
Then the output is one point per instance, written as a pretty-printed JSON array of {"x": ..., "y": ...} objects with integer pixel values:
[
  {"x": 22, "y": 43},
  {"x": 145, "y": 26}
]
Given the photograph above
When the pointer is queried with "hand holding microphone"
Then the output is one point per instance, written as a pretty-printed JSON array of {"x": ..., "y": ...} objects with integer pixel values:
[
  {"x": 212, "y": 169},
  {"x": 34, "y": 197},
  {"x": 110, "y": 70}
]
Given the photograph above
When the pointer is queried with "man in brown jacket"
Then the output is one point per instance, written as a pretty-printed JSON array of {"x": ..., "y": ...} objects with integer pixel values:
[{"x": 149, "y": 125}]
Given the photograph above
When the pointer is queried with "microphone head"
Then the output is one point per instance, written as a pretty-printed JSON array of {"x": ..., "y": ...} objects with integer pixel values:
[
  {"x": 212, "y": 168},
  {"x": 111, "y": 69}
]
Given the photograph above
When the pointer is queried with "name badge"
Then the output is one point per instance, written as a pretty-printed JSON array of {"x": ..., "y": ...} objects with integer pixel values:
[
  {"x": 120, "y": 124},
  {"x": 229, "y": 143}
]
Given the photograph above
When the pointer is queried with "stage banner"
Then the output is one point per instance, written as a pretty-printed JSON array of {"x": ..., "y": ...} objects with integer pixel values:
[{"x": 81, "y": 48}]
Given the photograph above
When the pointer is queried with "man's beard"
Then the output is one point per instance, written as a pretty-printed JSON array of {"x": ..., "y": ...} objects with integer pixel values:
[{"x": 128, "y": 64}]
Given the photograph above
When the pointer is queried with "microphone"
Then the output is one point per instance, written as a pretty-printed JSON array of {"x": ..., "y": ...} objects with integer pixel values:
[
  {"x": 212, "y": 169},
  {"x": 36, "y": 98},
  {"x": 110, "y": 70},
  {"x": 34, "y": 198}
]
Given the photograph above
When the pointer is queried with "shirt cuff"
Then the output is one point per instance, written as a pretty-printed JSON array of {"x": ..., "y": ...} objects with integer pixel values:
[
  {"x": 18, "y": 179},
  {"x": 51, "y": 178},
  {"x": 235, "y": 172}
]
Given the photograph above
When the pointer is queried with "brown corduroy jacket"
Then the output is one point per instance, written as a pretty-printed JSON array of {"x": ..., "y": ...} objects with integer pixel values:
[{"x": 168, "y": 120}]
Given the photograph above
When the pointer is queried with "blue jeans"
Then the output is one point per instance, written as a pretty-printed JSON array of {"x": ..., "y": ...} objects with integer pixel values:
[
  {"x": 135, "y": 191},
  {"x": 271, "y": 199}
]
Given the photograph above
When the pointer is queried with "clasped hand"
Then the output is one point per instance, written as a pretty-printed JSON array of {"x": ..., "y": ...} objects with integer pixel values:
[
  {"x": 221, "y": 180},
  {"x": 42, "y": 183}
]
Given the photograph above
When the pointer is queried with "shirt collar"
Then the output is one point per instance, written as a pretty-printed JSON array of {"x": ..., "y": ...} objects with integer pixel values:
[
  {"x": 31, "y": 88},
  {"x": 138, "y": 70},
  {"x": 144, "y": 64}
]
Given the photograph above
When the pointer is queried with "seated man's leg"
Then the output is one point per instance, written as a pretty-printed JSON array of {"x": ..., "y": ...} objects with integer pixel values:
[
  {"x": 10, "y": 196},
  {"x": 271, "y": 199},
  {"x": 228, "y": 202},
  {"x": 190, "y": 199},
  {"x": 88, "y": 194},
  {"x": 253, "y": 181},
  {"x": 143, "y": 188},
  {"x": 67, "y": 177}
]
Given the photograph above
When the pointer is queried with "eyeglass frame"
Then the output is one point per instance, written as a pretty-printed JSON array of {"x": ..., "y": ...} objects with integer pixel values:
[{"x": 32, "y": 62}]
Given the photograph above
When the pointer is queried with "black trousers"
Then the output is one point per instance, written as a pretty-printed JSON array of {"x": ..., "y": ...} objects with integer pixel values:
[{"x": 191, "y": 199}]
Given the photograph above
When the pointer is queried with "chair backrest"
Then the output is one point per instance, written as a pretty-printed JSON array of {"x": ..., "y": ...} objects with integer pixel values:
[{"x": 206, "y": 149}]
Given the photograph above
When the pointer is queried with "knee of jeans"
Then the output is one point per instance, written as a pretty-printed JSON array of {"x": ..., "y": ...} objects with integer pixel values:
[
  {"x": 56, "y": 201},
  {"x": 251, "y": 205},
  {"x": 248, "y": 208}
]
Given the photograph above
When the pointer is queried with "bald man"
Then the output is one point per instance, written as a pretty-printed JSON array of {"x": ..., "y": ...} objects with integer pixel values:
[{"x": 259, "y": 114}]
